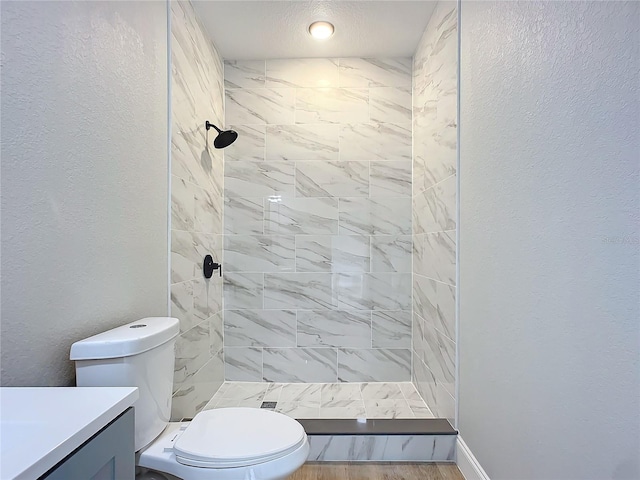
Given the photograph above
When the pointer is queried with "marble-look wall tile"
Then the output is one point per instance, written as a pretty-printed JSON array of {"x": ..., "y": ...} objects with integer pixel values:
[
  {"x": 425, "y": 383},
  {"x": 382, "y": 448},
  {"x": 332, "y": 105},
  {"x": 314, "y": 253},
  {"x": 375, "y": 141},
  {"x": 434, "y": 59},
  {"x": 373, "y": 291},
  {"x": 311, "y": 365},
  {"x": 434, "y": 210},
  {"x": 260, "y": 106},
  {"x": 243, "y": 290},
  {"x": 435, "y": 302},
  {"x": 298, "y": 290},
  {"x": 350, "y": 253},
  {"x": 259, "y": 179},
  {"x": 332, "y": 179},
  {"x": 391, "y": 253},
  {"x": 251, "y": 145},
  {"x": 417, "y": 338},
  {"x": 445, "y": 404},
  {"x": 204, "y": 243},
  {"x": 440, "y": 357},
  {"x": 336, "y": 178},
  {"x": 440, "y": 252},
  {"x": 435, "y": 91},
  {"x": 390, "y": 104},
  {"x": 334, "y": 328},
  {"x": 447, "y": 310},
  {"x": 216, "y": 332},
  {"x": 207, "y": 297},
  {"x": 208, "y": 209},
  {"x": 212, "y": 160},
  {"x": 188, "y": 145},
  {"x": 390, "y": 179},
  {"x": 259, "y": 253},
  {"x": 302, "y": 142},
  {"x": 374, "y": 365},
  {"x": 302, "y": 72},
  {"x": 196, "y": 210},
  {"x": 370, "y": 216},
  {"x": 192, "y": 158},
  {"x": 434, "y": 107},
  {"x": 391, "y": 329},
  {"x": 301, "y": 216},
  {"x": 182, "y": 256},
  {"x": 192, "y": 352},
  {"x": 243, "y": 215},
  {"x": 260, "y": 328},
  {"x": 182, "y": 305},
  {"x": 188, "y": 249},
  {"x": 182, "y": 205},
  {"x": 332, "y": 253},
  {"x": 435, "y": 256},
  {"x": 375, "y": 72},
  {"x": 434, "y": 153},
  {"x": 244, "y": 73},
  {"x": 243, "y": 364},
  {"x": 198, "y": 389},
  {"x": 425, "y": 298}
]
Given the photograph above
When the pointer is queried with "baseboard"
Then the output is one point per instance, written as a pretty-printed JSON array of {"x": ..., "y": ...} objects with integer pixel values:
[{"x": 468, "y": 464}]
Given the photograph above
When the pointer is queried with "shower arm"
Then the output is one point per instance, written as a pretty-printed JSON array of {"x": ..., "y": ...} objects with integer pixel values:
[{"x": 208, "y": 124}]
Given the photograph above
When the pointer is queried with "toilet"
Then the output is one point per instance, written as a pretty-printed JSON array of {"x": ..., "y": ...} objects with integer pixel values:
[{"x": 220, "y": 444}]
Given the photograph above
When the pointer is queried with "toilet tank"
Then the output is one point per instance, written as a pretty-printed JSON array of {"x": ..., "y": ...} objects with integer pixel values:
[{"x": 139, "y": 354}]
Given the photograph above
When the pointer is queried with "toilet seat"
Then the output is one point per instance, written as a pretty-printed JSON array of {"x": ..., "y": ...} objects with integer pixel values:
[
  {"x": 237, "y": 437},
  {"x": 161, "y": 456}
]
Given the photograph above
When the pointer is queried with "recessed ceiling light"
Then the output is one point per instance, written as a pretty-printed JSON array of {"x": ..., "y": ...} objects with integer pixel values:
[{"x": 321, "y": 30}]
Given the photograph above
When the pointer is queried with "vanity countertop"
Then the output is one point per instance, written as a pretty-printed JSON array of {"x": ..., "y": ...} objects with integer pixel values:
[{"x": 39, "y": 426}]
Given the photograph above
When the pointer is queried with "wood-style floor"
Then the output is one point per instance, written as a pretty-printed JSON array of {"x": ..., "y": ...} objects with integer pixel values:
[{"x": 378, "y": 471}]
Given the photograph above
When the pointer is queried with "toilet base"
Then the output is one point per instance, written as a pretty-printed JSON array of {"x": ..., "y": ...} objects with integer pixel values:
[
  {"x": 159, "y": 456},
  {"x": 146, "y": 474}
]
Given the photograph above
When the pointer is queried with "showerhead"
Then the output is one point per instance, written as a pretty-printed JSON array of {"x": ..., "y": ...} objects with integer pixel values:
[{"x": 224, "y": 138}]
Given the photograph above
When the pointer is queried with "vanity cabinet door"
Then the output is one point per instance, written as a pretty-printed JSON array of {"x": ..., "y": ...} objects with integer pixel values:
[{"x": 108, "y": 455}]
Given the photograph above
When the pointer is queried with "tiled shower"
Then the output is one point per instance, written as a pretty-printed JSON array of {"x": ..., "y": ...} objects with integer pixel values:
[
  {"x": 317, "y": 242},
  {"x": 333, "y": 215}
]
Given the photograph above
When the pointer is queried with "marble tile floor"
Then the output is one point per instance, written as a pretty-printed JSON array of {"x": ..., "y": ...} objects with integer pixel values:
[{"x": 326, "y": 400}]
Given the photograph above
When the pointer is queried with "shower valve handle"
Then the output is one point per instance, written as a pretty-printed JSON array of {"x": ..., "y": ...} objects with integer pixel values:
[{"x": 209, "y": 266}]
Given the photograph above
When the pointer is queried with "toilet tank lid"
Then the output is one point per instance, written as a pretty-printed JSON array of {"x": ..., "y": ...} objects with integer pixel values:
[{"x": 126, "y": 340}]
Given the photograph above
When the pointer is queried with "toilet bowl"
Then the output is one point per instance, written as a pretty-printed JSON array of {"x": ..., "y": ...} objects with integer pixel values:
[{"x": 219, "y": 444}]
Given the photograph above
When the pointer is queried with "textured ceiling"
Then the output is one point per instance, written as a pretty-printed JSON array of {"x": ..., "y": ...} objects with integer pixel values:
[{"x": 245, "y": 30}]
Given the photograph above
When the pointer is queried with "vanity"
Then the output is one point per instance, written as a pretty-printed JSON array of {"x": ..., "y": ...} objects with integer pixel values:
[{"x": 67, "y": 432}]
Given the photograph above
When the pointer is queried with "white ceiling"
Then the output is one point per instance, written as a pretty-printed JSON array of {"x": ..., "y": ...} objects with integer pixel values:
[{"x": 244, "y": 30}]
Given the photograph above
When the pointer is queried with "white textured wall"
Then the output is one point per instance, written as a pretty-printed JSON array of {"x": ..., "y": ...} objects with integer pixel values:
[
  {"x": 549, "y": 252},
  {"x": 84, "y": 177}
]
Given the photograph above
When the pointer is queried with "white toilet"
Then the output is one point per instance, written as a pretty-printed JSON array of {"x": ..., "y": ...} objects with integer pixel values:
[{"x": 221, "y": 444}]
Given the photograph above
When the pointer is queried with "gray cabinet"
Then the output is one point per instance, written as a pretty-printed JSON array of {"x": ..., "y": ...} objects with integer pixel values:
[{"x": 108, "y": 455}]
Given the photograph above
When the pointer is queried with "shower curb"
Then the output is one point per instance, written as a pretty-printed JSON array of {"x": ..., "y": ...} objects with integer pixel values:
[{"x": 380, "y": 440}]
